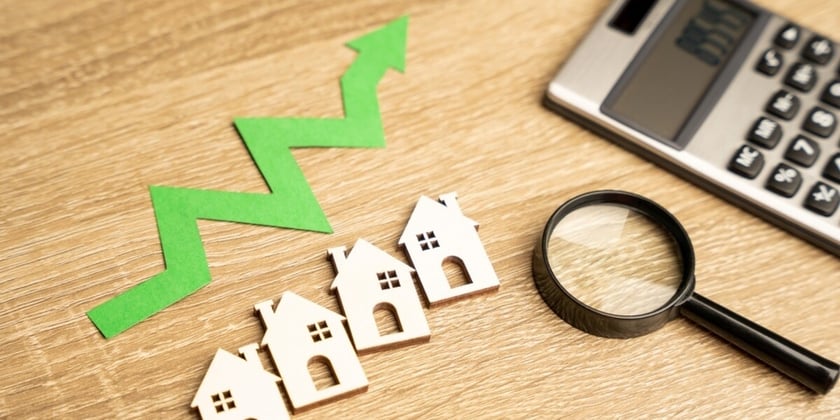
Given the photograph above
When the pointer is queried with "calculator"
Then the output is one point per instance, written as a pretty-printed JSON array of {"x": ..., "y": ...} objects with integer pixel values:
[{"x": 728, "y": 95}]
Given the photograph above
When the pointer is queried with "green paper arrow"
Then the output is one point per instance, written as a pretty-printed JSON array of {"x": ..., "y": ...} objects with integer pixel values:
[{"x": 291, "y": 203}]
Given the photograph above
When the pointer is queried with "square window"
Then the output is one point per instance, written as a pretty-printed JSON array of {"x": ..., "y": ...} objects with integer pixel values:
[
  {"x": 388, "y": 279},
  {"x": 319, "y": 331},
  {"x": 223, "y": 401},
  {"x": 427, "y": 240}
]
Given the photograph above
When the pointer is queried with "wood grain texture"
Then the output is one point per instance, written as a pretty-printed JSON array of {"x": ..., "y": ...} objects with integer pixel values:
[{"x": 100, "y": 99}]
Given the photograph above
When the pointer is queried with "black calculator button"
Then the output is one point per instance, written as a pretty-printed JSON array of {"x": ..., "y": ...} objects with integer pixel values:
[
  {"x": 770, "y": 62},
  {"x": 820, "y": 122},
  {"x": 822, "y": 199},
  {"x": 818, "y": 50},
  {"x": 832, "y": 169},
  {"x": 747, "y": 162},
  {"x": 802, "y": 76},
  {"x": 803, "y": 151},
  {"x": 783, "y": 105},
  {"x": 787, "y": 36},
  {"x": 784, "y": 180},
  {"x": 765, "y": 132},
  {"x": 831, "y": 94}
]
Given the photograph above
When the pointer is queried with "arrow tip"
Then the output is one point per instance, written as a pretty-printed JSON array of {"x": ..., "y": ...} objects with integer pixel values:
[{"x": 387, "y": 43}]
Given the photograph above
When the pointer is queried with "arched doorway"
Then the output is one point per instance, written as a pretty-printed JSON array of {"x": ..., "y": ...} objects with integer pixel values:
[
  {"x": 387, "y": 319},
  {"x": 322, "y": 373},
  {"x": 456, "y": 273}
]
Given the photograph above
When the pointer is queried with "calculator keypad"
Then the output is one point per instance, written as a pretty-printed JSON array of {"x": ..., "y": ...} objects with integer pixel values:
[
  {"x": 832, "y": 169},
  {"x": 801, "y": 76},
  {"x": 820, "y": 122},
  {"x": 808, "y": 166},
  {"x": 831, "y": 94},
  {"x": 783, "y": 104},
  {"x": 818, "y": 50},
  {"x": 803, "y": 151},
  {"x": 823, "y": 199},
  {"x": 785, "y": 180},
  {"x": 770, "y": 63},
  {"x": 747, "y": 162},
  {"x": 765, "y": 133},
  {"x": 788, "y": 36}
]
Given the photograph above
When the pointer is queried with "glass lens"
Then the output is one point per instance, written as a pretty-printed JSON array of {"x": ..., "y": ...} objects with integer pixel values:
[{"x": 615, "y": 259}]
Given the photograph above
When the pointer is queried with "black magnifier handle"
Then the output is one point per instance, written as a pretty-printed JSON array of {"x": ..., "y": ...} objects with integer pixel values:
[{"x": 806, "y": 367}]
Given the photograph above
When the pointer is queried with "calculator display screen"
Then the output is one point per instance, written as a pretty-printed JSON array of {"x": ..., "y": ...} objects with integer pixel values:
[{"x": 664, "y": 85}]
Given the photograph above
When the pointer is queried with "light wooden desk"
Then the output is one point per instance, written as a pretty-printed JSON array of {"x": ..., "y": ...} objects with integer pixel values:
[{"x": 100, "y": 99}]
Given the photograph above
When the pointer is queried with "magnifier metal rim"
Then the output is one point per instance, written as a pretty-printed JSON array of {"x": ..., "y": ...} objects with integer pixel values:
[{"x": 588, "y": 318}]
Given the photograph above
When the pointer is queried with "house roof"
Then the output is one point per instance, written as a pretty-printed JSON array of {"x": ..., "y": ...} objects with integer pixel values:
[
  {"x": 225, "y": 371},
  {"x": 366, "y": 258},
  {"x": 430, "y": 212},
  {"x": 293, "y": 310}
]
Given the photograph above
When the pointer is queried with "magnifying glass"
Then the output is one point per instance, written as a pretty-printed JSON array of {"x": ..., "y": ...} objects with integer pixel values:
[{"x": 615, "y": 264}]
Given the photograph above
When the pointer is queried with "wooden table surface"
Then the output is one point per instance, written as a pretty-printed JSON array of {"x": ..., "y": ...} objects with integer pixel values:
[{"x": 101, "y": 99}]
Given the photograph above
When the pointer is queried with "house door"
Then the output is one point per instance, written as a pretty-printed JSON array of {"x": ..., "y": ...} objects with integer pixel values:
[{"x": 387, "y": 319}]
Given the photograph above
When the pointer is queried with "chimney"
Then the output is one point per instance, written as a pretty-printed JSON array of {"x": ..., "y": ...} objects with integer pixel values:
[
  {"x": 249, "y": 353},
  {"x": 338, "y": 255},
  {"x": 450, "y": 200},
  {"x": 266, "y": 313}
]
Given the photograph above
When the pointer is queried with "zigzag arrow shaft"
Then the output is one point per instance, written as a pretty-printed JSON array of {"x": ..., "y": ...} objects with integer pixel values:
[{"x": 269, "y": 141}]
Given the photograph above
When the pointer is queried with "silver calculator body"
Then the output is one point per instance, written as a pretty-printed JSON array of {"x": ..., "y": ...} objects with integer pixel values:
[{"x": 726, "y": 94}]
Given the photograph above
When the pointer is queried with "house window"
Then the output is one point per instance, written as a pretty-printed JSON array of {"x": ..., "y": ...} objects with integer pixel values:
[
  {"x": 223, "y": 402},
  {"x": 388, "y": 280},
  {"x": 427, "y": 240},
  {"x": 319, "y": 331}
]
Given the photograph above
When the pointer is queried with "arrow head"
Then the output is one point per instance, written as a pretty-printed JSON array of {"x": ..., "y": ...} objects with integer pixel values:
[{"x": 386, "y": 45}]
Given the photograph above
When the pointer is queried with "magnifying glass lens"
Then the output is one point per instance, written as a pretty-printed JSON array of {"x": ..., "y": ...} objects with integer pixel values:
[
  {"x": 615, "y": 259},
  {"x": 615, "y": 264}
]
